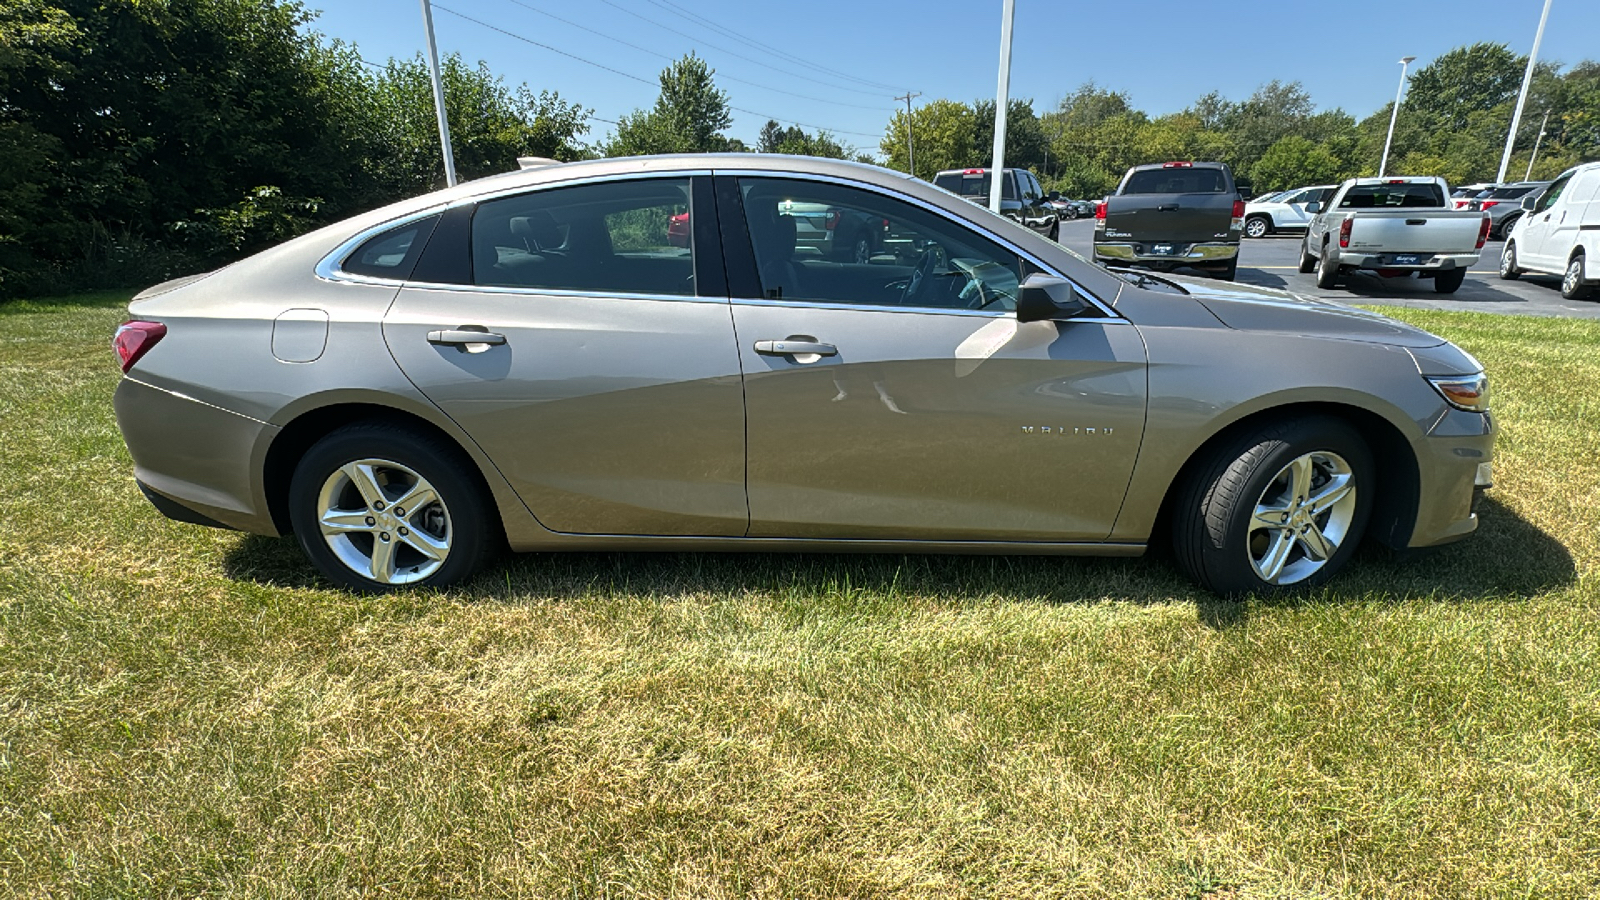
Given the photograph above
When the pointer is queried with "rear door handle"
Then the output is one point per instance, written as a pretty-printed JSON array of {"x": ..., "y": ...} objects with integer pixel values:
[
  {"x": 460, "y": 336},
  {"x": 792, "y": 348},
  {"x": 1167, "y": 207}
]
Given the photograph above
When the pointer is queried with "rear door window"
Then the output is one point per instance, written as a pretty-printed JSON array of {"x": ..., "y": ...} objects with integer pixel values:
[{"x": 614, "y": 237}]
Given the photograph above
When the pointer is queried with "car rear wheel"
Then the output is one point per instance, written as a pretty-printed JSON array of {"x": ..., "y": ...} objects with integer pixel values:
[
  {"x": 1230, "y": 272},
  {"x": 1055, "y": 231},
  {"x": 378, "y": 507},
  {"x": 1448, "y": 281},
  {"x": 1327, "y": 271},
  {"x": 1308, "y": 263},
  {"x": 1572, "y": 286},
  {"x": 1257, "y": 226},
  {"x": 1282, "y": 507},
  {"x": 1508, "y": 263},
  {"x": 861, "y": 251}
]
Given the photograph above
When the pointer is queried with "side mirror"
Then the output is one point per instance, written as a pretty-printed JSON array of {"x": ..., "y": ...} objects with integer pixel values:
[
  {"x": 1314, "y": 207},
  {"x": 1046, "y": 297},
  {"x": 1246, "y": 189},
  {"x": 1529, "y": 204}
]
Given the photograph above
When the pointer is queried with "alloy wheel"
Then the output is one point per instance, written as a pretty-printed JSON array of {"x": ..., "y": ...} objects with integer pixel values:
[
  {"x": 1302, "y": 518},
  {"x": 384, "y": 521}
]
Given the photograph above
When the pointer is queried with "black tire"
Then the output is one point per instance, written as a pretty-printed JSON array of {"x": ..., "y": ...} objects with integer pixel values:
[
  {"x": 1228, "y": 273},
  {"x": 1072, "y": 212},
  {"x": 1503, "y": 230},
  {"x": 1327, "y": 271},
  {"x": 1213, "y": 537},
  {"x": 861, "y": 250},
  {"x": 1448, "y": 281},
  {"x": 1257, "y": 227},
  {"x": 460, "y": 518},
  {"x": 1308, "y": 263},
  {"x": 1508, "y": 262},
  {"x": 1572, "y": 286},
  {"x": 1055, "y": 231}
]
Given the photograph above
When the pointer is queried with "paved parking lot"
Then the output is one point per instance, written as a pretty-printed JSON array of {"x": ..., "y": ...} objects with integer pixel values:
[{"x": 1274, "y": 261}]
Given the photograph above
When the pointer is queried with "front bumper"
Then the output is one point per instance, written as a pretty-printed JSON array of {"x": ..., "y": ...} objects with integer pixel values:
[
  {"x": 195, "y": 456},
  {"x": 1455, "y": 463},
  {"x": 1143, "y": 252}
]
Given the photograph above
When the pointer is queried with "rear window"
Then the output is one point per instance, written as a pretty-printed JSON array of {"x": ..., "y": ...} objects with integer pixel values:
[
  {"x": 1393, "y": 196},
  {"x": 966, "y": 184},
  {"x": 1510, "y": 193},
  {"x": 1176, "y": 181}
]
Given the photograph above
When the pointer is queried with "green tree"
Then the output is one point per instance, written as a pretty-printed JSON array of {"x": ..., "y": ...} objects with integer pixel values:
[
  {"x": 795, "y": 141},
  {"x": 1445, "y": 92},
  {"x": 689, "y": 116},
  {"x": 944, "y": 134},
  {"x": 1295, "y": 161}
]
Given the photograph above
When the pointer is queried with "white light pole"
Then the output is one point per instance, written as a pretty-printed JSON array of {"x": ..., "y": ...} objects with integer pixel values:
[
  {"x": 1394, "y": 114},
  {"x": 1522, "y": 95},
  {"x": 438, "y": 97},
  {"x": 1008, "y": 12},
  {"x": 1528, "y": 176}
]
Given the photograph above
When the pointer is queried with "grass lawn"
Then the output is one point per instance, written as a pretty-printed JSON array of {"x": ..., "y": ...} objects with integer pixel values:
[{"x": 186, "y": 711}]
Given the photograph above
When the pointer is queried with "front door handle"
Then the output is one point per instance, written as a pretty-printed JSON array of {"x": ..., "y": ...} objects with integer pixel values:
[
  {"x": 795, "y": 348},
  {"x": 1167, "y": 207},
  {"x": 460, "y": 336}
]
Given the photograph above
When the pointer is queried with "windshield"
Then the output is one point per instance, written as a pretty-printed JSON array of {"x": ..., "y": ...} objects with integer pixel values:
[{"x": 1176, "y": 181}]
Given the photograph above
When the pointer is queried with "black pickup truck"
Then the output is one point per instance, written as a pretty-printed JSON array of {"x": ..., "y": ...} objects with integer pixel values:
[{"x": 1167, "y": 215}]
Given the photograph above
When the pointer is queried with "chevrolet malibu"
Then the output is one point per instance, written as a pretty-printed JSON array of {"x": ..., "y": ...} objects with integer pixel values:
[{"x": 536, "y": 360}]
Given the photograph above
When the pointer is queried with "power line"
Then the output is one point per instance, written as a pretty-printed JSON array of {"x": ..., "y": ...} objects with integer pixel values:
[
  {"x": 737, "y": 54},
  {"x": 645, "y": 81},
  {"x": 674, "y": 8},
  {"x": 660, "y": 55}
]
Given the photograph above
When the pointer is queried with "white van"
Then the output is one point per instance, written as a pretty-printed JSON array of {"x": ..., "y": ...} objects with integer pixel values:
[{"x": 1559, "y": 234}]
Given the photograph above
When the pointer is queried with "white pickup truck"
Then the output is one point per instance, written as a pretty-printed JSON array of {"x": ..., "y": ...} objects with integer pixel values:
[{"x": 1393, "y": 227}]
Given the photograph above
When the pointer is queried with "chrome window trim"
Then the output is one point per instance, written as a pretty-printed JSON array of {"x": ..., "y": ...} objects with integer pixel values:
[
  {"x": 555, "y": 292},
  {"x": 1104, "y": 308},
  {"x": 869, "y": 307},
  {"x": 329, "y": 267}
]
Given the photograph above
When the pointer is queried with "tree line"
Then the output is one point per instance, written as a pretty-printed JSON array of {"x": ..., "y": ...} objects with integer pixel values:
[
  {"x": 1452, "y": 123},
  {"x": 144, "y": 139}
]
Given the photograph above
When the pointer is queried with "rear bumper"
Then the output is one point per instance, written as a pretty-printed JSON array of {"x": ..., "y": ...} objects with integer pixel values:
[
  {"x": 1182, "y": 255},
  {"x": 198, "y": 458},
  {"x": 1431, "y": 262}
]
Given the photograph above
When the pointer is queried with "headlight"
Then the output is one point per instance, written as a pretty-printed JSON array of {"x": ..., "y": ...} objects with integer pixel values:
[{"x": 1468, "y": 392}]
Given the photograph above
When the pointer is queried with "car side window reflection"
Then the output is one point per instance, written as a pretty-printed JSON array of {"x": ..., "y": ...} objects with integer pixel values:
[
  {"x": 614, "y": 237},
  {"x": 1553, "y": 193},
  {"x": 834, "y": 244}
]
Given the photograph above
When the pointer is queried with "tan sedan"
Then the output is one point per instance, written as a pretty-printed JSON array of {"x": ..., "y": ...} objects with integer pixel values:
[{"x": 630, "y": 354}]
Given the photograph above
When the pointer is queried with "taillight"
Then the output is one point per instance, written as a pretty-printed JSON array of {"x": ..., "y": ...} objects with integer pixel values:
[
  {"x": 1238, "y": 209},
  {"x": 1344, "y": 233},
  {"x": 134, "y": 339},
  {"x": 1177, "y": 165},
  {"x": 1489, "y": 203},
  {"x": 1483, "y": 231},
  {"x": 1099, "y": 209},
  {"x": 833, "y": 219}
]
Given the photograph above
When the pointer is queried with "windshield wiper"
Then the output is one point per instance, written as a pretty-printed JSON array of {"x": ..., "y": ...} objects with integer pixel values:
[{"x": 1141, "y": 278}]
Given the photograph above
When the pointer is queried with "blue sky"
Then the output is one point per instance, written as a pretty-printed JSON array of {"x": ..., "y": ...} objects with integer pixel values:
[{"x": 838, "y": 64}]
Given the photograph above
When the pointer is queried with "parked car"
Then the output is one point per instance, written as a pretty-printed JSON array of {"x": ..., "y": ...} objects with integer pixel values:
[
  {"x": 1166, "y": 215},
  {"x": 1022, "y": 199},
  {"x": 408, "y": 389},
  {"x": 1559, "y": 233},
  {"x": 846, "y": 235},
  {"x": 1461, "y": 196},
  {"x": 1283, "y": 211},
  {"x": 1393, "y": 227},
  {"x": 1503, "y": 205}
]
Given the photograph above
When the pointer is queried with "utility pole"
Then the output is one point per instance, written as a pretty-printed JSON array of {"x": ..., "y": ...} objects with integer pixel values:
[
  {"x": 1528, "y": 176},
  {"x": 438, "y": 96},
  {"x": 1002, "y": 98},
  {"x": 911, "y": 153},
  {"x": 1394, "y": 113},
  {"x": 1522, "y": 95}
]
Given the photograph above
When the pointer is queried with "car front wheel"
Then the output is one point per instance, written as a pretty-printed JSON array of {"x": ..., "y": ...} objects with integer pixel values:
[
  {"x": 1280, "y": 507},
  {"x": 378, "y": 507},
  {"x": 1508, "y": 263}
]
